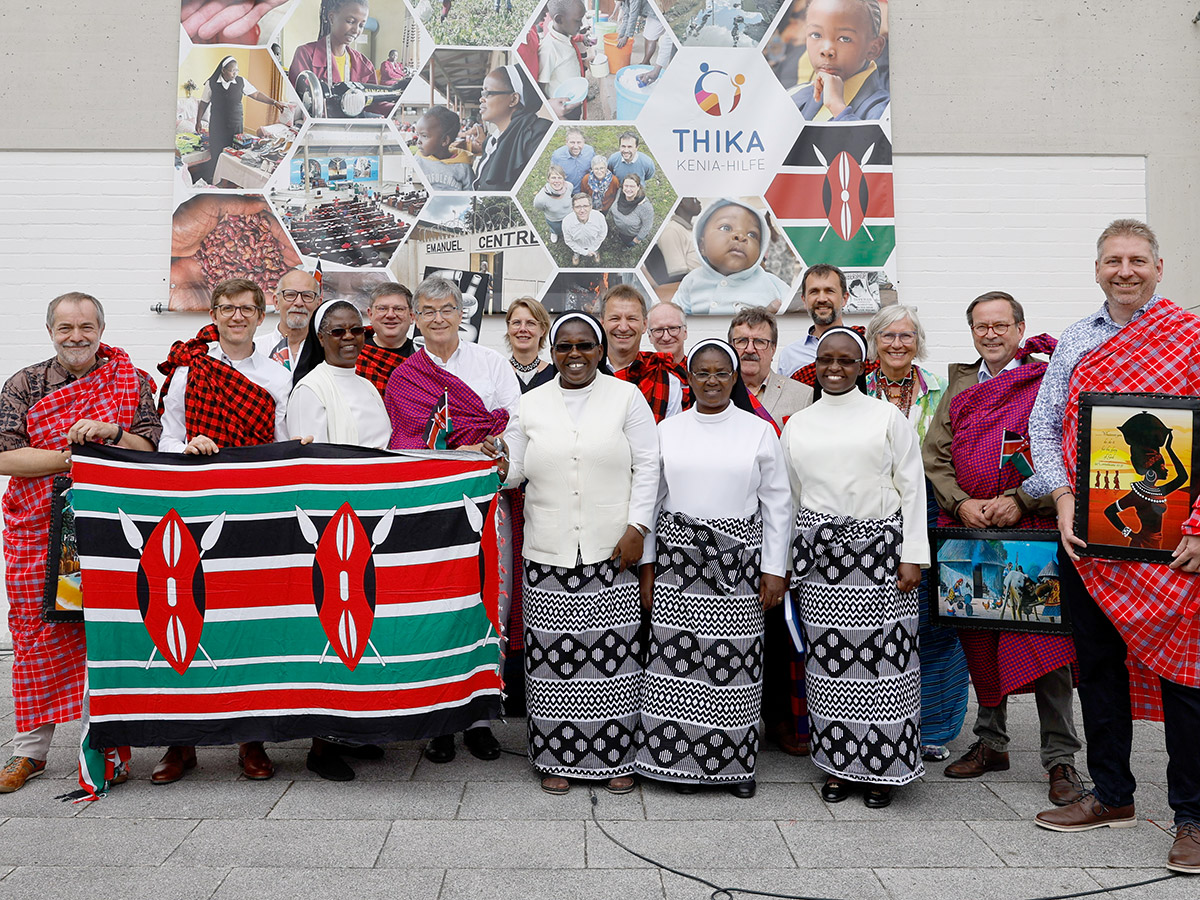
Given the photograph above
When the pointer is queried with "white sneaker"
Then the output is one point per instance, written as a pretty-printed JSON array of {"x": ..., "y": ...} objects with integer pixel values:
[{"x": 553, "y": 238}]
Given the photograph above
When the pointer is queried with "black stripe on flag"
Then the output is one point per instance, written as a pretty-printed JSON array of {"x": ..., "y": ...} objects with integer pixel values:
[{"x": 833, "y": 139}]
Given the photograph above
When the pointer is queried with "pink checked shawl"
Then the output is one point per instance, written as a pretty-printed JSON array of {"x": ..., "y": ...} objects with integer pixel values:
[{"x": 413, "y": 391}]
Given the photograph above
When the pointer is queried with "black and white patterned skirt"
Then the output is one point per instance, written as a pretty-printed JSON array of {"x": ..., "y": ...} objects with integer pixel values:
[
  {"x": 862, "y": 668},
  {"x": 702, "y": 691},
  {"x": 582, "y": 667}
]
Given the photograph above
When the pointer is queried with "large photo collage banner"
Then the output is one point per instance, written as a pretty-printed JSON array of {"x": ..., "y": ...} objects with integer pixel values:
[{"x": 707, "y": 151}]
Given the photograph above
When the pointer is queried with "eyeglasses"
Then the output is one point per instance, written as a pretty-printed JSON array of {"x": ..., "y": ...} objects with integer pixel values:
[
  {"x": 388, "y": 310},
  {"x": 445, "y": 312},
  {"x": 999, "y": 328},
  {"x": 563, "y": 347},
  {"x": 672, "y": 330},
  {"x": 339, "y": 332},
  {"x": 844, "y": 361},
  {"x": 905, "y": 338},
  {"x": 306, "y": 296},
  {"x": 742, "y": 343},
  {"x": 722, "y": 376},
  {"x": 228, "y": 310}
]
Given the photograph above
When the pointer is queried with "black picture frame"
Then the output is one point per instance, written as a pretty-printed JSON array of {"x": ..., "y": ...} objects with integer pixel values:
[
  {"x": 1106, "y": 456},
  {"x": 981, "y": 556},
  {"x": 61, "y": 553}
]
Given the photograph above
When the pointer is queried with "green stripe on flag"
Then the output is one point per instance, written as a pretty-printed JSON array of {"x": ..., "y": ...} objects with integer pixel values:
[{"x": 860, "y": 252}]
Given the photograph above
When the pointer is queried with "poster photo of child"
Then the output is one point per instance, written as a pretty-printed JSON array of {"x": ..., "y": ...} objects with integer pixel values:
[{"x": 844, "y": 40}]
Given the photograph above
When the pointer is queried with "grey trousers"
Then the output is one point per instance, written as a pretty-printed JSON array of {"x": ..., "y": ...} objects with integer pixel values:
[{"x": 1053, "y": 693}]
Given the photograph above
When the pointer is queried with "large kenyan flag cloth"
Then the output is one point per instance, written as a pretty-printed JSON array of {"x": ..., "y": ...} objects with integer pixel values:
[
  {"x": 833, "y": 195},
  {"x": 285, "y": 591}
]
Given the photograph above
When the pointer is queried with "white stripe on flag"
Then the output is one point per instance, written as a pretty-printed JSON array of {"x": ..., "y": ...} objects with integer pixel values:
[{"x": 295, "y": 611}]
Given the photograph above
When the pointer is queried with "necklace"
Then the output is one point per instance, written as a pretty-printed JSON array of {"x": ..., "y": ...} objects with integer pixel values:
[
  {"x": 1148, "y": 492},
  {"x": 522, "y": 367},
  {"x": 898, "y": 393}
]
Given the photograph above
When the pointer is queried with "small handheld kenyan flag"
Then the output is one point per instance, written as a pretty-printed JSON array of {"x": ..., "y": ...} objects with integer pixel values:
[
  {"x": 1016, "y": 448},
  {"x": 440, "y": 424}
]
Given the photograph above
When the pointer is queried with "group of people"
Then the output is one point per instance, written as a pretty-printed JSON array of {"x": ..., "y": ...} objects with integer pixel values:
[
  {"x": 665, "y": 504},
  {"x": 590, "y": 198}
]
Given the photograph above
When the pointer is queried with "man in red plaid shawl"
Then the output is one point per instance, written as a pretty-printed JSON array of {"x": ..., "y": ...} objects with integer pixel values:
[
  {"x": 87, "y": 392},
  {"x": 977, "y": 487},
  {"x": 388, "y": 343},
  {"x": 662, "y": 381},
  {"x": 1136, "y": 625},
  {"x": 222, "y": 392}
]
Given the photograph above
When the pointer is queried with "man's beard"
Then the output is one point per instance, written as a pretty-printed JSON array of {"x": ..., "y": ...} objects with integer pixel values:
[
  {"x": 822, "y": 319},
  {"x": 296, "y": 320}
]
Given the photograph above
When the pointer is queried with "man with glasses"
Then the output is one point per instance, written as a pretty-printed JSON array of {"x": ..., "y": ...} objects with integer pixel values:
[
  {"x": 662, "y": 381},
  {"x": 296, "y": 297},
  {"x": 453, "y": 395},
  {"x": 754, "y": 334},
  {"x": 220, "y": 391},
  {"x": 668, "y": 329},
  {"x": 986, "y": 405},
  {"x": 387, "y": 344}
]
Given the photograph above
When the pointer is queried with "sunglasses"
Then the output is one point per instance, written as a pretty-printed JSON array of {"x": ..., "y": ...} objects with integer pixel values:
[
  {"x": 339, "y": 332},
  {"x": 583, "y": 347}
]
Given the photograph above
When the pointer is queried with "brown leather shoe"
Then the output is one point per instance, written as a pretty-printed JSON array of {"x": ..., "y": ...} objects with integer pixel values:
[
  {"x": 18, "y": 770},
  {"x": 1085, "y": 814},
  {"x": 1065, "y": 784},
  {"x": 176, "y": 762},
  {"x": 1185, "y": 852},
  {"x": 786, "y": 739},
  {"x": 256, "y": 765},
  {"x": 978, "y": 759}
]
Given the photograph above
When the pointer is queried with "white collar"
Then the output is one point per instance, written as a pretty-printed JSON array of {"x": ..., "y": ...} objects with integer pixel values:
[{"x": 985, "y": 373}]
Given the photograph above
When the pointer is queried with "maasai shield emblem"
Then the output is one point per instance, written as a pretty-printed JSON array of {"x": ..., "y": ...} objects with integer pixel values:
[
  {"x": 170, "y": 585},
  {"x": 344, "y": 580}
]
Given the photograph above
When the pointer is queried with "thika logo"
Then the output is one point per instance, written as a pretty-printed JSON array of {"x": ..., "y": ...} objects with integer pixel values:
[{"x": 717, "y": 92}]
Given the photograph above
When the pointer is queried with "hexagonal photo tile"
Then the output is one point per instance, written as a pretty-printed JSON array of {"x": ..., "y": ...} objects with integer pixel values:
[
  {"x": 581, "y": 291},
  {"x": 474, "y": 23},
  {"x": 720, "y": 23},
  {"x": 598, "y": 71},
  {"x": 717, "y": 255},
  {"x": 625, "y": 198},
  {"x": 215, "y": 236},
  {"x": 246, "y": 23},
  {"x": 832, "y": 58},
  {"x": 474, "y": 120},
  {"x": 349, "y": 193},
  {"x": 349, "y": 59},
  {"x": 486, "y": 245},
  {"x": 235, "y": 119}
]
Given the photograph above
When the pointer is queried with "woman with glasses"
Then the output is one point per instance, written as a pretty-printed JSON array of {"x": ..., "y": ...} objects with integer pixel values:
[
  {"x": 511, "y": 129},
  {"x": 895, "y": 337},
  {"x": 861, "y": 541},
  {"x": 716, "y": 561},
  {"x": 587, "y": 446},
  {"x": 526, "y": 327}
]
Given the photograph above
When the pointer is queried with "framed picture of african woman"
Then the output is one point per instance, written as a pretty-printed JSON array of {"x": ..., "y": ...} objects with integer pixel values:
[
  {"x": 62, "y": 599},
  {"x": 997, "y": 578},
  {"x": 1135, "y": 473}
]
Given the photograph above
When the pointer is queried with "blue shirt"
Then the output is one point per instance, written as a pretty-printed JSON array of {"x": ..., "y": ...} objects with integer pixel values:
[
  {"x": 575, "y": 167},
  {"x": 641, "y": 166},
  {"x": 1046, "y": 418},
  {"x": 797, "y": 355}
]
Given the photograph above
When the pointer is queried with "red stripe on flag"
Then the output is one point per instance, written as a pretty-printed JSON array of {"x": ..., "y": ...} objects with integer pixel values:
[{"x": 798, "y": 195}]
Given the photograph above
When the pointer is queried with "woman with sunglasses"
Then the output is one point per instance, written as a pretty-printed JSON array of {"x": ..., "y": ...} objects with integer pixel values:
[
  {"x": 330, "y": 402},
  {"x": 895, "y": 338},
  {"x": 716, "y": 561},
  {"x": 587, "y": 445}
]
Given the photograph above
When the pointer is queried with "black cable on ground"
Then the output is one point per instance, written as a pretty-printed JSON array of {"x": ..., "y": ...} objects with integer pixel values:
[{"x": 726, "y": 893}]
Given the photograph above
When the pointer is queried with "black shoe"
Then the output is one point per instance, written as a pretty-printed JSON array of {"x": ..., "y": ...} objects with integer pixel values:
[
  {"x": 356, "y": 751},
  {"x": 482, "y": 743},
  {"x": 329, "y": 766},
  {"x": 835, "y": 790},
  {"x": 687, "y": 787},
  {"x": 743, "y": 790},
  {"x": 440, "y": 749},
  {"x": 878, "y": 796}
]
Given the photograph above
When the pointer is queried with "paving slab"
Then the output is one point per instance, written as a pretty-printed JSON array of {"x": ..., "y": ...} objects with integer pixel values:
[
  {"x": 239, "y": 799},
  {"x": 330, "y": 884},
  {"x": 1027, "y": 800},
  {"x": 689, "y": 844},
  {"x": 542, "y": 884},
  {"x": 1179, "y": 887},
  {"x": 773, "y": 800},
  {"x": 498, "y": 800},
  {"x": 925, "y": 800},
  {"x": 398, "y": 762},
  {"x": 780, "y": 767},
  {"x": 859, "y": 884},
  {"x": 465, "y": 767},
  {"x": 38, "y": 800},
  {"x": 984, "y": 884},
  {"x": 90, "y": 842},
  {"x": 1024, "y": 845},
  {"x": 128, "y": 883},
  {"x": 484, "y": 845},
  {"x": 837, "y": 845},
  {"x": 361, "y": 799},
  {"x": 291, "y": 845}
]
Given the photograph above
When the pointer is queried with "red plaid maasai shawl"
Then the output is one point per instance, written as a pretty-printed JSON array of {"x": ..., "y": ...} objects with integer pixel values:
[
  {"x": 415, "y": 389},
  {"x": 1156, "y": 610},
  {"x": 49, "y": 657},
  {"x": 651, "y": 373},
  {"x": 1001, "y": 662},
  {"x": 808, "y": 374},
  {"x": 377, "y": 363},
  {"x": 219, "y": 401}
]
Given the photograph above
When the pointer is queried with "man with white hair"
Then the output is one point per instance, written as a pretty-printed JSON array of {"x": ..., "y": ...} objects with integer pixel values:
[
  {"x": 296, "y": 297},
  {"x": 667, "y": 326}
]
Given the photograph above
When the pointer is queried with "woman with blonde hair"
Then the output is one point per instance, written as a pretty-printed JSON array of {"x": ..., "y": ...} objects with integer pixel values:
[{"x": 526, "y": 325}]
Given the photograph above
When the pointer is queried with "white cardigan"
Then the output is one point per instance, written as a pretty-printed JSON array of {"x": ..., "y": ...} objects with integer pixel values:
[{"x": 591, "y": 458}]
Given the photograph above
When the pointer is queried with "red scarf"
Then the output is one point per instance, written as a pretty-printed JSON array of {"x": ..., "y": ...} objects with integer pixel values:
[
  {"x": 414, "y": 391},
  {"x": 651, "y": 373},
  {"x": 377, "y": 363}
]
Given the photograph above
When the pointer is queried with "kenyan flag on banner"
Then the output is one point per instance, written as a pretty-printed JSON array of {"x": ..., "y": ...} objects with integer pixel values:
[
  {"x": 833, "y": 195},
  {"x": 284, "y": 591}
]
